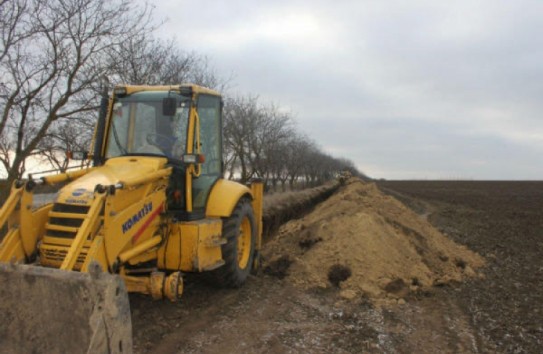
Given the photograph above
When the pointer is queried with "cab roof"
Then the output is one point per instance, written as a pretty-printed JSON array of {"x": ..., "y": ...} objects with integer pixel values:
[{"x": 130, "y": 89}]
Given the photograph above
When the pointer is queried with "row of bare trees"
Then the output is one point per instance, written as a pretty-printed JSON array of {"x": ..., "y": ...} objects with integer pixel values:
[
  {"x": 54, "y": 55},
  {"x": 262, "y": 141}
]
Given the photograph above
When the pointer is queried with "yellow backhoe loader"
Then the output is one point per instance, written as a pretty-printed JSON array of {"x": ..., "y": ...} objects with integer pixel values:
[{"x": 152, "y": 207}]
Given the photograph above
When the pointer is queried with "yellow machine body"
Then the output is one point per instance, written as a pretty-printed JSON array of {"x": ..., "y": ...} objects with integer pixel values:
[{"x": 141, "y": 216}]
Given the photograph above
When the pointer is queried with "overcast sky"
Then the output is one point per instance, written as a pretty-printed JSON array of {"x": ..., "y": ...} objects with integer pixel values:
[{"x": 405, "y": 89}]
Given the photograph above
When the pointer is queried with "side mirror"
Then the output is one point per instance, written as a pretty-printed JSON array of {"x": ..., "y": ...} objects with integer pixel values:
[{"x": 169, "y": 106}]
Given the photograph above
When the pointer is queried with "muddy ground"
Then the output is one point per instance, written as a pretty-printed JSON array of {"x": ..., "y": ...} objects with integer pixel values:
[{"x": 501, "y": 312}]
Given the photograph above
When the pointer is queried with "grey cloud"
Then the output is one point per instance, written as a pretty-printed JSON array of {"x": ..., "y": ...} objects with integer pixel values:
[{"x": 405, "y": 89}]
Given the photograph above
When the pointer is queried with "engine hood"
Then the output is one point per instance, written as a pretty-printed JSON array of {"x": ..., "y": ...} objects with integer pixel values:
[{"x": 115, "y": 170}]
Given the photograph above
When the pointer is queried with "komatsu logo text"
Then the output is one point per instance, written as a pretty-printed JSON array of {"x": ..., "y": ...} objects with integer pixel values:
[{"x": 127, "y": 225}]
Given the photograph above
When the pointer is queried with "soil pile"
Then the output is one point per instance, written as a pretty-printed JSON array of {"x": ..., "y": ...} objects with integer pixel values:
[{"x": 367, "y": 244}]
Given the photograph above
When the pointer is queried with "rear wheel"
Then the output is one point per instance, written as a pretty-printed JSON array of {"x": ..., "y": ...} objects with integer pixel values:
[{"x": 238, "y": 252}]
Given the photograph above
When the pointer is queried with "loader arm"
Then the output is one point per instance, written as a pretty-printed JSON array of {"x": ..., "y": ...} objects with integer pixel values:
[{"x": 25, "y": 226}]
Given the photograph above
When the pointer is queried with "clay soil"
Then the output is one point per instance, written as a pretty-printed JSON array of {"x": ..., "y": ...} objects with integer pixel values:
[{"x": 396, "y": 267}]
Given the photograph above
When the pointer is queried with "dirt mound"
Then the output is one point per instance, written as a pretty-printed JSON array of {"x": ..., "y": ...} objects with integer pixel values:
[{"x": 368, "y": 244}]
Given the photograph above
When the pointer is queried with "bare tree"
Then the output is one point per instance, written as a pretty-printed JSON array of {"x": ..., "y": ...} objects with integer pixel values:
[
  {"x": 269, "y": 144},
  {"x": 146, "y": 60},
  {"x": 253, "y": 135},
  {"x": 202, "y": 73},
  {"x": 241, "y": 115},
  {"x": 52, "y": 55},
  {"x": 12, "y": 23},
  {"x": 296, "y": 156},
  {"x": 72, "y": 136}
]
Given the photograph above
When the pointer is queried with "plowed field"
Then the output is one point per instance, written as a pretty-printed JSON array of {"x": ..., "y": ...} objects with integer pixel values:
[{"x": 502, "y": 221}]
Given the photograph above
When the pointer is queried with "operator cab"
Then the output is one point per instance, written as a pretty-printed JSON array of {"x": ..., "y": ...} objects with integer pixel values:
[
  {"x": 151, "y": 122},
  {"x": 140, "y": 127}
]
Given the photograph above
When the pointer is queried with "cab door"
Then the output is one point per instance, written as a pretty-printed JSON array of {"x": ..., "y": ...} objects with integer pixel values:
[{"x": 209, "y": 112}]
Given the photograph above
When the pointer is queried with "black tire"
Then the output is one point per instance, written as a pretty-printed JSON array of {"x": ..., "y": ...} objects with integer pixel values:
[{"x": 237, "y": 267}]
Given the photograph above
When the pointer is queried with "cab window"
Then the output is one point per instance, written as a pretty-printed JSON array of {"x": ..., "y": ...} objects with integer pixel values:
[{"x": 209, "y": 112}]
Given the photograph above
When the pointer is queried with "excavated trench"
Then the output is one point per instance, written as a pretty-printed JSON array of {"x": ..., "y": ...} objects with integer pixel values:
[{"x": 282, "y": 207}]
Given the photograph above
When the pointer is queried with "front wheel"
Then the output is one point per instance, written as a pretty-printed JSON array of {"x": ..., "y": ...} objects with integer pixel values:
[{"x": 238, "y": 252}]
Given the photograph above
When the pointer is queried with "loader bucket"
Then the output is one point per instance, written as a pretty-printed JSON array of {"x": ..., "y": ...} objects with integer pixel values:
[{"x": 44, "y": 310}]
